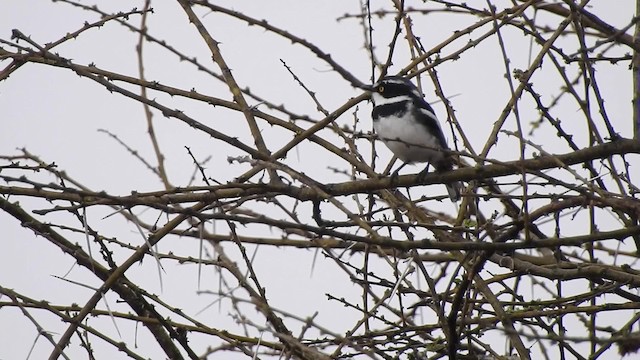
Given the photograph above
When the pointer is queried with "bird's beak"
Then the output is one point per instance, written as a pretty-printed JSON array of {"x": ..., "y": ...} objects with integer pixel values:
[
  {"x": 369, "y": 88},
  {"x": 363, "y": 86}
]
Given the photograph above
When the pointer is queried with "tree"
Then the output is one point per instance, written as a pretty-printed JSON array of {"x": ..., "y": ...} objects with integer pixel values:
[{"x": 248, "y": 211}]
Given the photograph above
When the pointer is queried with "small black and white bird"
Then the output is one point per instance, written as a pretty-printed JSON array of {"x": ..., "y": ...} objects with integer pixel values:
[{"x": 407, "y": 124}]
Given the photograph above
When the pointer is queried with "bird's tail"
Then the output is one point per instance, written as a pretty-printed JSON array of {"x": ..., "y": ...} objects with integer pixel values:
[
  {"x": 454, "y": 191},
  {"x": 453, "y": 188}
]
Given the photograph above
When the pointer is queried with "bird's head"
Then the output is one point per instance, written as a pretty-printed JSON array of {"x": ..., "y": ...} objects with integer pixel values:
[{"x": 392, "y": 89}]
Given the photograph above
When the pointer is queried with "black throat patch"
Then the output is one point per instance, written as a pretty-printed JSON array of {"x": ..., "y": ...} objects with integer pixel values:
[{"x": 399, "y": 109}]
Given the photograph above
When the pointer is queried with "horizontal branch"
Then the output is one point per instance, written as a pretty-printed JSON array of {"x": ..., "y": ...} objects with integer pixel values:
[{"x": 231, "y": 190}]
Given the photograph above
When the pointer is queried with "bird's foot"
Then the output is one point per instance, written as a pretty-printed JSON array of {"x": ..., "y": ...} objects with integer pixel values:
[
  {"x": 422, "y": 174},
  {"x": 394, "y": 176}
]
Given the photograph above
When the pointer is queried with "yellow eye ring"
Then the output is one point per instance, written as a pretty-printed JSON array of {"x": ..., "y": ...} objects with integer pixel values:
[{"x": 380, "y": 89}]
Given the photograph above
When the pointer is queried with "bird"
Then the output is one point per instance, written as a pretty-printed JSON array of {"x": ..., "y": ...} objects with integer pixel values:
[{"x": 408, "y": 126}]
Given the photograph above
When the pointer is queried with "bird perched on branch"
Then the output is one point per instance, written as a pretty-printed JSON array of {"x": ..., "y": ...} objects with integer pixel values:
[{"x": 407, "y": 124}]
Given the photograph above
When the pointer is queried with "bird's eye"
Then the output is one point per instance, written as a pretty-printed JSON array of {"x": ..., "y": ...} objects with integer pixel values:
[{"x": 380, "y": 89}]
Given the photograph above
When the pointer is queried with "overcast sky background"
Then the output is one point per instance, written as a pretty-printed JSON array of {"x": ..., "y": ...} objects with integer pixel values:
[{"x": 56, "y": 115}]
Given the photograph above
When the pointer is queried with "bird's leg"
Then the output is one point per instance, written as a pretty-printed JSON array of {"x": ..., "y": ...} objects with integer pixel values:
[
  {"x": 423, "y": 173},
  {"x": 394, "y": 175}
]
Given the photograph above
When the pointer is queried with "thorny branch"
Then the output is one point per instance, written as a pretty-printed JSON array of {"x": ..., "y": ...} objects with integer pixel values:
[{"x": 544, "y": 243}]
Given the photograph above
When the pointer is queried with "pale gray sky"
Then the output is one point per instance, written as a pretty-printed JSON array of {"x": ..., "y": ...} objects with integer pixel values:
[{"x": 55, "y": 114}]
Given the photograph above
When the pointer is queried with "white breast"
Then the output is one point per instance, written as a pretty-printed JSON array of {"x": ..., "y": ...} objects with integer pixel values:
[{"x": 408, "y": 140}]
